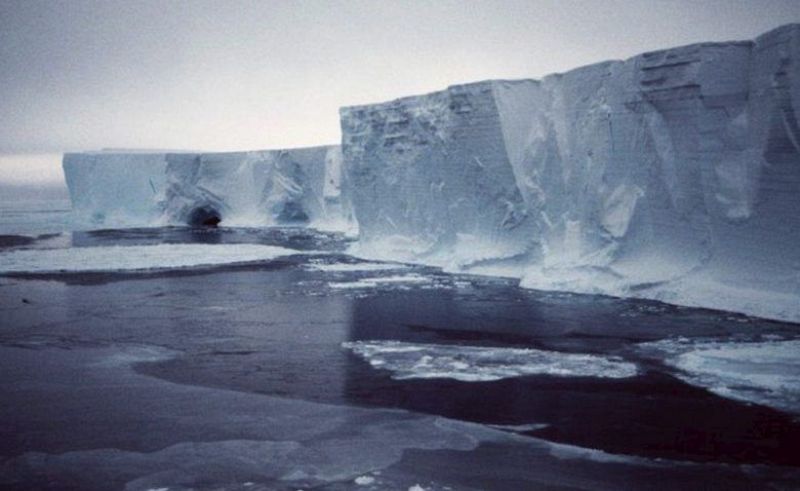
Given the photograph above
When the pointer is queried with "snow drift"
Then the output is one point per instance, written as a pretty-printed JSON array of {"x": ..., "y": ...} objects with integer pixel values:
[{"x": 674, "y": 175}]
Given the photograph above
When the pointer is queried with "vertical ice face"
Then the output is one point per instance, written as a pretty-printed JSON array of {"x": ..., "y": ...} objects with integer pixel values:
[
  {"x": 672, "y": 175},
  {"x": 247, "y": 188},
  {"x": 336, "y": 192},
  {"x": 115, "y": 188},
  {"x": 429, "y": 178},
  {"x": 270, "y": 187}
]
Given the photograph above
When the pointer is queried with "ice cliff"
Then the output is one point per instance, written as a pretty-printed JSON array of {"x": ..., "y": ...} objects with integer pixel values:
[
  {"x": 673, "y": 175},
  {"x": 258, "y": 188}
]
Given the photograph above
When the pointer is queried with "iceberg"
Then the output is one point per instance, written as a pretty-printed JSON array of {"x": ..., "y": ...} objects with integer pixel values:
[
  {"x": 673, "y": 175},
  {"x": 257, "y": 188},
  {"x": 115, "y": 188}
]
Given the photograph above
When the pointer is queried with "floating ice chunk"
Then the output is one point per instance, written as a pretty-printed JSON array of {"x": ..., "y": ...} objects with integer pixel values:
[
  {"x": 352, "y": 285},
  {"x": 382, "y": 281},
  {"x": 134, "y": 258},
  {"x": 524, "y": 428},
  {"x": 765, "y": 372},
  {"x": 348, "y": 267},
  {"x": 483, "y": 364},
  {"x": 364, "y": 480}
]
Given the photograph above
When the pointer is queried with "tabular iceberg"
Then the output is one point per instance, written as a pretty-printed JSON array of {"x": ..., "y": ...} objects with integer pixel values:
[
  {"x": 673, "y": 175},
  {"x": 258, "y": 188}
]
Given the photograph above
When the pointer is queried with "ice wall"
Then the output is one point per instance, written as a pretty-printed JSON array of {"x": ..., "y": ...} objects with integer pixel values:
[
  {"x": 115, "y": 188},
  {"x": 431, "y": 178},
  {"x": 673, "y": 175},
  {"x": 258, "y": 188}
]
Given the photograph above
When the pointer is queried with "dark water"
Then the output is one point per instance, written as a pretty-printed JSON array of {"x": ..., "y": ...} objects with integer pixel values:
[{"x": 277, "y": 329}]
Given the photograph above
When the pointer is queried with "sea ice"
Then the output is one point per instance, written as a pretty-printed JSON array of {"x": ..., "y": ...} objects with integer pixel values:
[
  {"x": 763, "y": 372},
  {"x": 372, "y": 282},
  {"x": 483, "y": 364},
  {"x": 134, "y": 258}
]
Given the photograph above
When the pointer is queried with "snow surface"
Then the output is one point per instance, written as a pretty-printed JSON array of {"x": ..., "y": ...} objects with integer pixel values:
[
  {"x": 483, "y": 364},
  {"x": 764, "y": 372},
  {"x": 134, "y": 258},
  {"x": 673, "y": 175}
]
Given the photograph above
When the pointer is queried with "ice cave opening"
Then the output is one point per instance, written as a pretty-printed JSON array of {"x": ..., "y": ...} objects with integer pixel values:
[{"x": 204, "y": 216}]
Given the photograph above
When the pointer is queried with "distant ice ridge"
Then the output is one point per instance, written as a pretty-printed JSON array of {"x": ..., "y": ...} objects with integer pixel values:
[
  {"x": 673, "y": 175},
  {"x": 765, "y": 372},
  {"x": 258, "y": 188},
  {"x": 134, "y": 258},
  {"x": 483, "y": 364}
]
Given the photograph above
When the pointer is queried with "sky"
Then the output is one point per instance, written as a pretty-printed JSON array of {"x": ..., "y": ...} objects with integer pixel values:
[{"x": 238, "y": 75}]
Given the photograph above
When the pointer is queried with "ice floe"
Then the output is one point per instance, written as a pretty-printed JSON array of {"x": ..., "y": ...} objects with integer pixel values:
[
  {"x": 133, "y": 258},
  {"x": 355, "y": 267},
  {"x": 483, "y": 364},
  {"x": 762, "y": 372},
  {"x": 413, "y": 279}
]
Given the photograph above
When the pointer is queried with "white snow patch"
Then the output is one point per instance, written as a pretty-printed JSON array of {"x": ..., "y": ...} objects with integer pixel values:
[
  {"x": 483, "y": 364},
  {"x": 135, "y": 258}
]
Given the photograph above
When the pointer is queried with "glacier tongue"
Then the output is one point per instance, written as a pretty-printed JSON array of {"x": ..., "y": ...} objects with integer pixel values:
[{"x": 674, "y": 175}]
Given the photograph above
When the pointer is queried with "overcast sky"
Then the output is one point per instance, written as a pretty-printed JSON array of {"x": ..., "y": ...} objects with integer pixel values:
[{"x": 224, "y": 75}]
